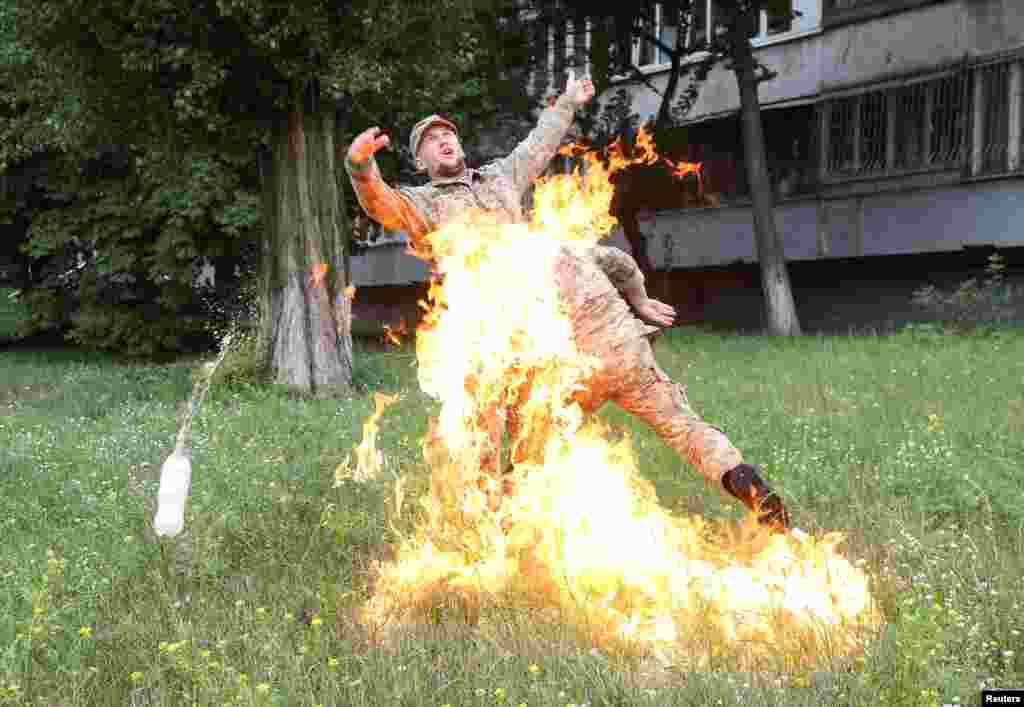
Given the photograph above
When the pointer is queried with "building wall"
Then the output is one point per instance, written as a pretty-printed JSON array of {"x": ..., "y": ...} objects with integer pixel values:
[
  {"x": 890, "y": 223},
  {"x": 919, "y": 39}
]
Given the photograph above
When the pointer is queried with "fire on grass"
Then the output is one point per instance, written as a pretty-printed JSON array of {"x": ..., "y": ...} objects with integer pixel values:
[{"x": 574, "y": 528}]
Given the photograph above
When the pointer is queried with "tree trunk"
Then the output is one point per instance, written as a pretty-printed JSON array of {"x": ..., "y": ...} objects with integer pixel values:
[
  {"x": 305, "y": 328},
  {"x": 635, "y": 238},
  {"x": 778, "y": 294}
]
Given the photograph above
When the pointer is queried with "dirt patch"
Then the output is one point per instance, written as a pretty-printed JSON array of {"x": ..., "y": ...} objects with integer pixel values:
[
  {"x": 12, "y": 395},
  {"x": 1015, "y": 409}
]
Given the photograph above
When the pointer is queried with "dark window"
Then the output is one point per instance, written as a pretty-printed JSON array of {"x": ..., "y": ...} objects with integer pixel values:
[
  {"x": 995, "y": 116},
  {"x": 841, "y": 134},
  {"x": 646, "y": 52},
  {"x": 908, "y": 125},
  {"x": 948, "y": 120},
  {"x": 782, "y": 21},
  {"x": 873, "y": 122}
]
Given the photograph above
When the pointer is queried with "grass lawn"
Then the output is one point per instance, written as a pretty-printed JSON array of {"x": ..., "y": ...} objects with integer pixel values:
[{"x": 912, "y": 445}]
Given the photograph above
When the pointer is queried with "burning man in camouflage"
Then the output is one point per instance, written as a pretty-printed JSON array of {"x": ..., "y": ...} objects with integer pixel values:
[{"x": 604, "y": 325}]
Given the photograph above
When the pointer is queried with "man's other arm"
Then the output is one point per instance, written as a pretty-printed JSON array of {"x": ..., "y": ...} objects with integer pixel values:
[
  {"x": 385, "y": 205},
  {"x": 622, "y": 270}
]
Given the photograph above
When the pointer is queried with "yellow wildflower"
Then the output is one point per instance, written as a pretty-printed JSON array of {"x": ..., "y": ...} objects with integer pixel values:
[
  {"x": 534, "y": 668},
  {"x": 317, "y": 621},
  {"x": 85, "y": 632},
  {"x": 137, "y": 676}
]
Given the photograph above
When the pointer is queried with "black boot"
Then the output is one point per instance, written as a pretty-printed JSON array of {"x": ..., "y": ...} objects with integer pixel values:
[{"x": 745, "y": 483}]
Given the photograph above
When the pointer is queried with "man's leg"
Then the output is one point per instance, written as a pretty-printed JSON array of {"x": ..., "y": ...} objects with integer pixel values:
[
  {"x": 637, "y": 383},
  {"x": 640, "y": 387}
]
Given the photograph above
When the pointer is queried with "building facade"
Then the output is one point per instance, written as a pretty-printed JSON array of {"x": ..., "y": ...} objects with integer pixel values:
[{"x": 893, "y": 129}]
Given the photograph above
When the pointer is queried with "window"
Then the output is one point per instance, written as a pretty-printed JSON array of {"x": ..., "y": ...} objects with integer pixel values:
[
  {"x": 948, "y": 119},
  {"x": 907, "y": 127},
  {"x": 992, "y": 116},
  {"x": 565, "y": 44},
  {"x": 668, "y": 28},
  {"x": 777, "y": 23},
  {"x": 908, "y": 103},
  {"x": 700, "y": 21},
  {"x": 841, "y": 142},
  {"x": 645, "y": 53},
  {"x": 873, "y": 138}
]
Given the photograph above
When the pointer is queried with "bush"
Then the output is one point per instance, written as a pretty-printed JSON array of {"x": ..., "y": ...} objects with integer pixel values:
[
  {"x": 992, "y": 300},
  {"x": 242, "y": 363},
  {"x": 14, "y": 315}
]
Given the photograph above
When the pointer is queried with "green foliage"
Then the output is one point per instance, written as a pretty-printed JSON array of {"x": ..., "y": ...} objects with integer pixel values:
[
  {"x": 139, "y": 239},
  {"x": 974, "y": 302}
]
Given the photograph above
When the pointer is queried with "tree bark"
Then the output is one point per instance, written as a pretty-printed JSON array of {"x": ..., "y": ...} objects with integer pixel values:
[
  {"x": 305, "y": 329},
  {"x": 780, "y": 308}
]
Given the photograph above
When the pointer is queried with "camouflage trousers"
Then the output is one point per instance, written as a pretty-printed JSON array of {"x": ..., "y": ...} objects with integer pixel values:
[{"x": 631, "y": 377}]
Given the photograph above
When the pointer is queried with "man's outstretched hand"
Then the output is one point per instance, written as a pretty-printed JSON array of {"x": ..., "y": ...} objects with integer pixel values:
[
  {"x": 654, "y": 312},
  {"x": 366, "y": 144},
  {"x": 579, "y": 92}
]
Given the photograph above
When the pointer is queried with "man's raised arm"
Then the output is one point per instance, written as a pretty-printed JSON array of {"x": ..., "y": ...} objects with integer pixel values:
[
  {"x": 531, "y": 156},
  {"x": 384, "y": 205}
]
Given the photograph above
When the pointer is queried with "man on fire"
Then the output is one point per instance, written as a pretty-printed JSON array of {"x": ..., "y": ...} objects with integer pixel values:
[{"x": 603, "y": 290}]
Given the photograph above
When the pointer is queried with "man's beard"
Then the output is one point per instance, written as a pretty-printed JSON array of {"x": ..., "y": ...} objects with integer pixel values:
[{"x": 446, "y": 171}]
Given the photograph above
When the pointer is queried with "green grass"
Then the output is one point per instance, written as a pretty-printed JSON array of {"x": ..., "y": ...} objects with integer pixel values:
[
  {"x": 12, "y": 314},
  {"x": 912, "y": 445}
]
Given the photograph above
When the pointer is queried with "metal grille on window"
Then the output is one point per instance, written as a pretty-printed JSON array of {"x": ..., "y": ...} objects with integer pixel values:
[
  {"x": 873, "y": 124},
  {"x": 908, "y": 106},
  {"x": 947, "y": 120},
  {"x": 991, "y": 115},
  {"x": 917, "y": 126},
  {"x": 841, "y": 133}
]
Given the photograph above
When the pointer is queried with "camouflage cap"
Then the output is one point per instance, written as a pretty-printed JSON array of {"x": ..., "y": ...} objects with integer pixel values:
[{"x": 421, "y": 127}]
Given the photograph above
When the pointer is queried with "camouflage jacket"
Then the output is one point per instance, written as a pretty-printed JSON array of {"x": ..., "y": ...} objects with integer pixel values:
[{"x": 499, "y": 187}]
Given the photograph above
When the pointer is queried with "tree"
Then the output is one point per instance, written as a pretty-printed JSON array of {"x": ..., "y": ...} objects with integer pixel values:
[
  {"x": 614, "y": 31},
  {"x": 240, "y": 76},
  {"x": 734, "y": 42},
  {"x": 113, "y": 234}
]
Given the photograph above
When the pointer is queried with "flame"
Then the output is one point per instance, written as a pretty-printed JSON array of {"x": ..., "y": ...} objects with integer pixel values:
[
  {"x": 393, "y": 336},
  {"x": 574, "y": 527},
  {"x": 350, "y": 292},
  {"x": 316, "y": 278},
  {"x": 369, "y": 460},
  {"x": 644, "y": 153}
]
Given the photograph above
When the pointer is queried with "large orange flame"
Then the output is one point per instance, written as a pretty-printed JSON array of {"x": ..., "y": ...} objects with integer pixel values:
[{"x": 582, "y": 533}]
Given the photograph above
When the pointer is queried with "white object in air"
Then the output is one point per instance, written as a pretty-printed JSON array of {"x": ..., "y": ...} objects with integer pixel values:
[{"x": 175, "y": 477}]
